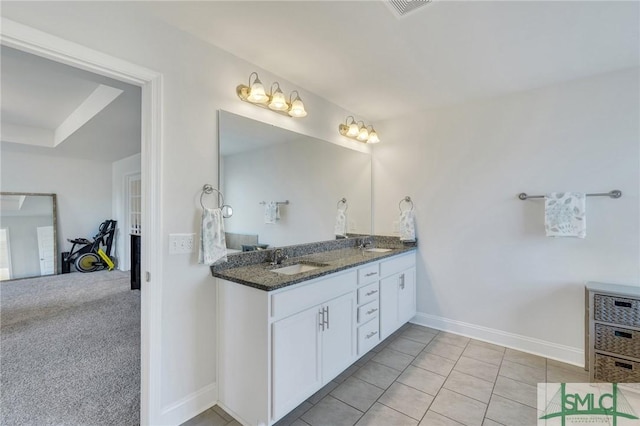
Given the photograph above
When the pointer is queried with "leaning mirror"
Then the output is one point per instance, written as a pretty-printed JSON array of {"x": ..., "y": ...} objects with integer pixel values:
[
  {"x": 28, "y": 246},
  {"x": 306, "y": 178}
]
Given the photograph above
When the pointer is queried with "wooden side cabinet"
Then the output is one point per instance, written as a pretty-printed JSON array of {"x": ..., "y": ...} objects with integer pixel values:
[{"x": 613, "y": 332}]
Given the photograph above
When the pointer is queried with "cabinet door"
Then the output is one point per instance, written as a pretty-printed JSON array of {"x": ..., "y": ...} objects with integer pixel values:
[
  {"x": 406, "y": 296},
  {"x": 295, "y": 359},
  {"x": 389, "y": 305},
  {"x": 338, "y": 342}
]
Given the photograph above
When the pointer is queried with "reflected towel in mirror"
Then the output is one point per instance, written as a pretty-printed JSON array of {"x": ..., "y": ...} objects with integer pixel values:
[
  {"x": 407, "y": 226},
  {"x": 271, "y": 212},
  {"x": 213, "y": 247},
  {"x": 341, "y": 223}
]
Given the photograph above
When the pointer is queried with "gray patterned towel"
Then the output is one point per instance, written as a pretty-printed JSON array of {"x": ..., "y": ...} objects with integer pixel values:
[
  {"x": 213, "y": 245},
  {"x": 564, "y": 214}
]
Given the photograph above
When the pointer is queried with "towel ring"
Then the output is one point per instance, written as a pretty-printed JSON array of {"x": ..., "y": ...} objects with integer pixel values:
[
  {"x": 343, "y": 201},
  {"x": 406, "y": 199},
  {"x": 227, "y": 211}
]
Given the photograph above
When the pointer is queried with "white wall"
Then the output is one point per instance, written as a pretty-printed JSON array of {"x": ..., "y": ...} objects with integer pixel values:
[
  {"x": 198, "y": 79},
  {"x": 120, "y": 170},
  {"x": 82, "y": 188},
  {"x": 484, "y": 261},
  {"x": 312, "y": 175}
]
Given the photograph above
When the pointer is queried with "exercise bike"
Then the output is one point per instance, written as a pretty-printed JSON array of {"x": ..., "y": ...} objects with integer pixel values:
[{"x": 90, "y": 256}]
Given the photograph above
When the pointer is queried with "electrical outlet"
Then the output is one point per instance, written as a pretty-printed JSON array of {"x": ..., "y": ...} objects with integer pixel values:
[{"x": 181, "y": 243}]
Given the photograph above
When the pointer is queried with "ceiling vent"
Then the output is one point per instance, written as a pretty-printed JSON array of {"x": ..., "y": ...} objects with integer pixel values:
[{"x": 404, "y": 7}]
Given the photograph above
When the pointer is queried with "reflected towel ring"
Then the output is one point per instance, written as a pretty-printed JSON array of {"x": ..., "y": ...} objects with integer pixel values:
[
  {"x": 406, "y": 199},
  {"x": 227, "y": 211},
  {"x": 343, "y": 201}
]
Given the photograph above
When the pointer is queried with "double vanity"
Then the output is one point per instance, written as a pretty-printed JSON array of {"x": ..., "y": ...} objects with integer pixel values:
[{"x": 286, "y": 330}]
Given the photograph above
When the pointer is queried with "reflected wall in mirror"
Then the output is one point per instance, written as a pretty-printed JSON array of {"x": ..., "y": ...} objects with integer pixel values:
[
  {"x": 28, "y": 244},
  {"x": 262, "y": 163}
]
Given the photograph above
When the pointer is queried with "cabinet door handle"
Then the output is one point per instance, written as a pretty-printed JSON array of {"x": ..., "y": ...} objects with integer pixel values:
[
  {"x": 624, "y": 365},
  {"x": 622, "y": 304},
  {"x": 370, "y": 311},
  {"x": 370, "y": 335},
  {"x": 402, "y": 282},
  {"x": 623, "y": 334},
  {"x": 321, "y": 314},
  {"x": 371, "y": 274},
  {"x": 327, "y": 308},
  {"x": 372, "y": 292}
]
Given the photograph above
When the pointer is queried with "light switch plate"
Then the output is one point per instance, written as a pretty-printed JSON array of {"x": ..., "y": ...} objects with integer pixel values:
[{"x": 181, "y": 243}]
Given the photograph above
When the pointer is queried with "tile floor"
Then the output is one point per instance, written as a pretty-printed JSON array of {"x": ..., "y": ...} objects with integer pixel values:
[{"x": 420, "y": 376}]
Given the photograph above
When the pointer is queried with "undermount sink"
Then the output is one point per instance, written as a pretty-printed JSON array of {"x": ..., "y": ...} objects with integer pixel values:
[
  {"x": 378, "y": 250},
  {"x": 298, "y": 268}
]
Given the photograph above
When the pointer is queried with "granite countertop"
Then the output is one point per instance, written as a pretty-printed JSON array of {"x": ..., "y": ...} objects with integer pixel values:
[{"x": 260, "y": 276}]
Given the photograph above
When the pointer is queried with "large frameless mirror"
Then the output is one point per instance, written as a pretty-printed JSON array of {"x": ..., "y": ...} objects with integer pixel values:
[
  {"x": 307, "y": 178},
  {"x": 28, "y": 241}
]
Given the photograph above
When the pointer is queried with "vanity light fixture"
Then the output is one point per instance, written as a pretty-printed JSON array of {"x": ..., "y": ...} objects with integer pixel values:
[
  {"x": 358, "y": 130},
  {"x": 274, "y": 100}
]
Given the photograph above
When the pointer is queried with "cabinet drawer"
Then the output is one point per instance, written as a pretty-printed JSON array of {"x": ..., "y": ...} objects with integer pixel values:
[
  {"x": 617, "y": 310},
  {"x": 616, "y": 370},
  {"x": 398, "y": 264},
  {"x": 368, "y": 336},
  {"x": 315, "y": 293},
  {"x": 368, "y": 293},
  {"x": 368, "y": 311},
  {"x": 368, "y": 274},
  {"x": 617, "y": 340}
]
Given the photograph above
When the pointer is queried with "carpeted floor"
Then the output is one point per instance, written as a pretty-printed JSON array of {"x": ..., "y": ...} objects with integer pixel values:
[{"x": 70, "y": 350}]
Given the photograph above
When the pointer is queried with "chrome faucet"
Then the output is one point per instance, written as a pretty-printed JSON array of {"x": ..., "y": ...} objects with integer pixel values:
[
  {"x": 364, "y": 243},
  {"x": 277, "y": 257}
]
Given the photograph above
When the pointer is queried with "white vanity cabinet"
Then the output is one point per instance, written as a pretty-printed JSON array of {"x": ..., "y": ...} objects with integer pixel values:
[
  {"x": 277, "y": 348},
  {"x": 397, "y": 293}
]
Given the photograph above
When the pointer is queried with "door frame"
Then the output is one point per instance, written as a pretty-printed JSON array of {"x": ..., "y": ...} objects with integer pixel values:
[{"x": 31, "y": 40}]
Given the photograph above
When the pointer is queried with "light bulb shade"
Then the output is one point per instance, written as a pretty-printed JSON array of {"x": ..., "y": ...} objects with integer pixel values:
[
  {"x": 297, "y": 108},
  {"x": 257, "y": 94},
  {"x": 353, "y": 130},
  {"x": 363, "y": 134},
  {"x": 373, "y": 137},
  {"x": 278, "y": 101}
]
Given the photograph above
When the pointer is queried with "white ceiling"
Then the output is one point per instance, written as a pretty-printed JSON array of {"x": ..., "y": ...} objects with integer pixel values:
[
  {"x": 53, "y": 109},
  {"x": 359, "y": 55}
]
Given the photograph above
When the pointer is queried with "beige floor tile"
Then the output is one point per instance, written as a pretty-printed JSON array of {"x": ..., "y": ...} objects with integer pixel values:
[
  {"x": 406, "y": 346},
  {"x": 445, "y": 350},
  {"x": 458, "y": 407},
  {"x": 435, "y": 363},
  {"x": 434, "y": 419},
  {"x": 377, "y": 374},
  {"x": 525, "y": 358},
  {"x": 393, "y": 359},
  {"x": 452, "y": 339},
  {"x": 423, "y": 380},
  {"x": 331, "y": 412},
  {"x": 206, "y": 418},
  {"x": 469, "y": 386},
  {"x": 489, "y": 422},
  {"x": 419, "y": 335},
  {"x": 407, "y": 400},
  {"x": 557, "y": 374},
  {"x": 565, "y": 366},
  {"x": 476, "y": 368},
  {"x": 425, "y": 328},
  {"x": 517, "y": 391},
  {"x": 522, "y": 373},
  {"x": 483, "y": 354},
  {"x": 510, "y": 413},
  {"x": 487, "y": 345},
  {"x": 222, "y": 413},
  {"x": 290, "y": 418},
  {"x": 346, "y": 373},
  {"x": 356, "y": 393},
  {"x": 326, "y": 390},
  {"x": 364, "y": 358},
  {"x": 298, "y": 422},
  {"x": 381, "y": 415}
]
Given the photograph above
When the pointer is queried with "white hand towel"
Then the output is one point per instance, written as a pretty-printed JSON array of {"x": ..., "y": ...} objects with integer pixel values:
[
  {"x": 213, "y": 246},
  {"x": 340, "y": 228},
  {"x": 564, "y": 214},
  {"x": 270, "y": 212},
  {"x": 407, "y": 226}
]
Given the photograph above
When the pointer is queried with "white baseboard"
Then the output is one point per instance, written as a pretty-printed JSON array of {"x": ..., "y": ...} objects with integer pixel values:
[
  {"x": 531, "y": 345},
  {"x": 190, "y": 406}
]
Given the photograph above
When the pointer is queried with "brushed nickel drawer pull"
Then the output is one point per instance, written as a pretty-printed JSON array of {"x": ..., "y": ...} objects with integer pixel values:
[
  {"x": 622, "y": 304},
  {"x": 370, "y": 311},
  {"x": 371, "y": 292},
  {"x": 370, "y": 274},
  {"x": 370, "y": 335},
  {"x": 623, "y": 334},
  {"x": 624, "y": 365}
]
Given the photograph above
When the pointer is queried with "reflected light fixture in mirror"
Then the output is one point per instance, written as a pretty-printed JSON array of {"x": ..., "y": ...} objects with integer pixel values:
[
  {"x": 358, "y": 130},
  {"x": 255, "y": 94}
]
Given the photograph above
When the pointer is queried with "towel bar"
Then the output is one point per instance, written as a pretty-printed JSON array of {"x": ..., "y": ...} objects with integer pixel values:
[
  {"x": 277, "y": 202},
  {"x": 613, "y": 194}
]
